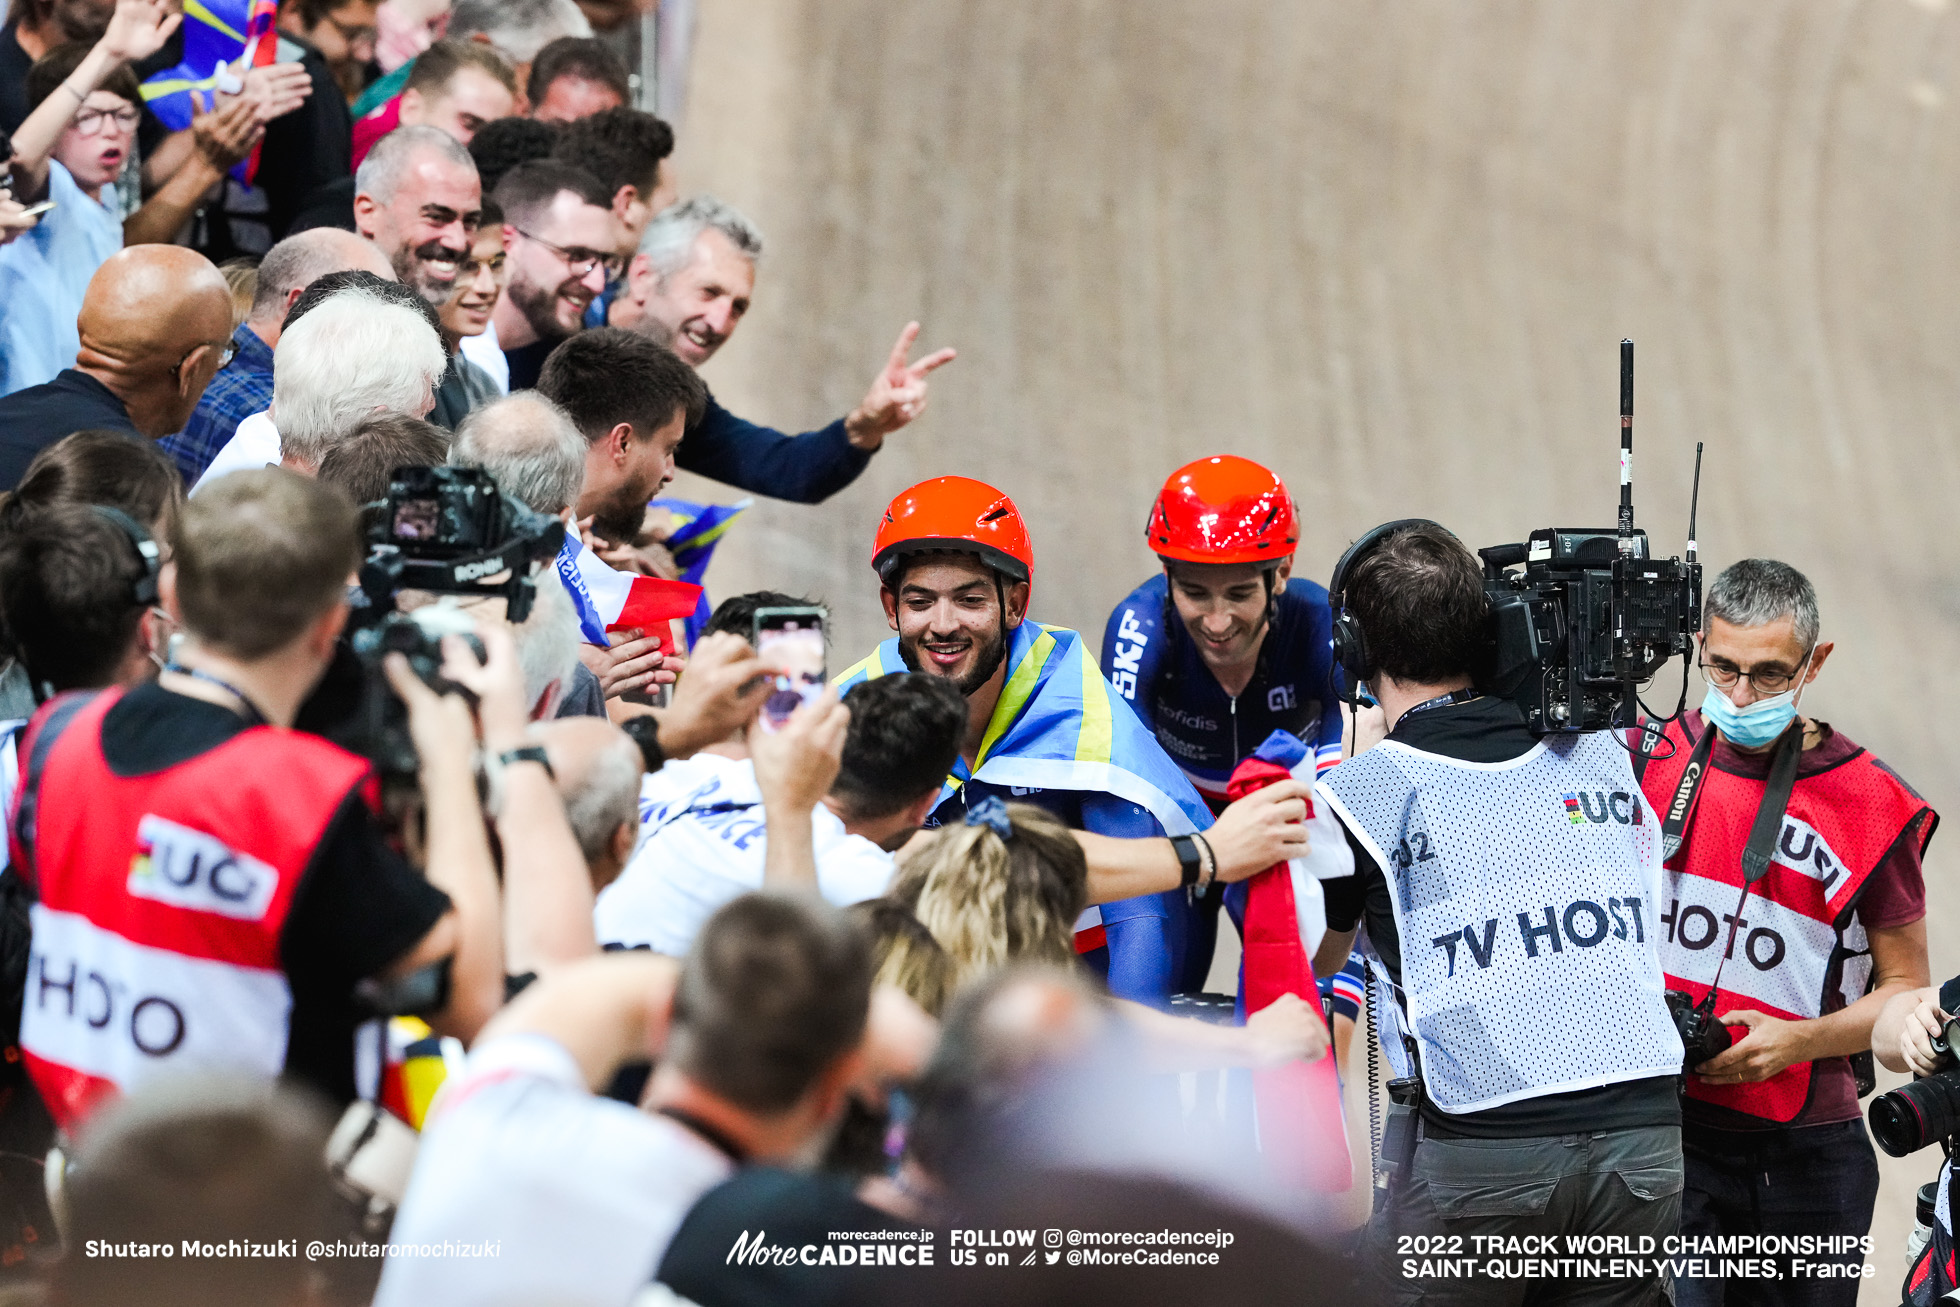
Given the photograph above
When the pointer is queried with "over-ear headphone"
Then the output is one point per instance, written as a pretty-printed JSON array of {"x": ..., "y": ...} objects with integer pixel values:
[
  {"x": 145, "y": 589},
  {"x": 1350, "y": 649}
]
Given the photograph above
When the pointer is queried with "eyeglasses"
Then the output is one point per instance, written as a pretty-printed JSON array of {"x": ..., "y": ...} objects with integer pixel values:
[
  {"x": 226, "y": 353},
  {"x": 90, "y": 122},
  {"x": 579, "y": 262},
  {"x": 1766, "y": 683},
  {"x": 352, "y": 34}
]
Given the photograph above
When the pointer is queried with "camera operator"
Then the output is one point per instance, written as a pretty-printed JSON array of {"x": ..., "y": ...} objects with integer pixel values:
[
  {"x": 1520, "y": 945},
  {"x": 1913, "y": 1034},
  {"x": 213, "y": 888},
  {"x": 1834, "y": 929}
]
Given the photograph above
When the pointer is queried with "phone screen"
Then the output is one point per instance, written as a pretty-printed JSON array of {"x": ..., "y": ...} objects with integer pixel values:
[{"x": 790, "y": 644}]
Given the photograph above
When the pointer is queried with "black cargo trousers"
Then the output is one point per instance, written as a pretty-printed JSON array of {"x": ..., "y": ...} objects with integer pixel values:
[{"x": 1558, "y": 1219}]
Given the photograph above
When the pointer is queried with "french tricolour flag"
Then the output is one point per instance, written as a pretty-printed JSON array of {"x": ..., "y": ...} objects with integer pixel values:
[{"x": 610, "y": 600}]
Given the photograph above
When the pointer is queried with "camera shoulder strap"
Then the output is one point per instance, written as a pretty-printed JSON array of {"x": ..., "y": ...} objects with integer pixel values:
[{"x": 1756, "y": 855}]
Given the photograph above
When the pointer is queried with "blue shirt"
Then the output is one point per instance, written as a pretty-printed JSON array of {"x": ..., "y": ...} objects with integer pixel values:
[
  {"x": 43, "y": 276},
  {"x": 1151, "y": 660},
  {"x": 241, "y": 388},
  {"x": 805, "y": 469}
]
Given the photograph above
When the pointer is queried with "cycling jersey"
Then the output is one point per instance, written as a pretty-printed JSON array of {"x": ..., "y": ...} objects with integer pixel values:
[{"x": 1152, "y": 661}]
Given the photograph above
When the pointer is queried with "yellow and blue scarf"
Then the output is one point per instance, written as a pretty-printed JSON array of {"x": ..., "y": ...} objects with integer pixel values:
[{"x": 1059, "y": 725}]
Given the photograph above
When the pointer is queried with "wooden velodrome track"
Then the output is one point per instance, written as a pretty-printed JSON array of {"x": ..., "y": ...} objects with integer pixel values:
[{"x": 1389, "y": 249}]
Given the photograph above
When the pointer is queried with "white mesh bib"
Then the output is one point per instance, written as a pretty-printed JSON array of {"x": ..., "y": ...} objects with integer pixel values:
[{"x": 1525, "y": 895}]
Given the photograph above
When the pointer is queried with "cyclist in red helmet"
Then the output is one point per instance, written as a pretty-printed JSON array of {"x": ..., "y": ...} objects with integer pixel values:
[
  {"x": 1224, "y": 646},
  {"x": 1044, "y": 726}
]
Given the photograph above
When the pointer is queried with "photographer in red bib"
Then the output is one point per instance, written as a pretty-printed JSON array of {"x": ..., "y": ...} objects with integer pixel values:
[{"x": 1808, "y": 953}]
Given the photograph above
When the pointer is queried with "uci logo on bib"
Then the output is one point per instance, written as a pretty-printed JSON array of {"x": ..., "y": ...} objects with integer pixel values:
[
  {"x": 1583, "y": 807},
  {"x": 189, "y": 869}
]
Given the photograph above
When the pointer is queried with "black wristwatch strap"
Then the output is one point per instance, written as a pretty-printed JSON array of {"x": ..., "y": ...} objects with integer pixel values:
[
  {"x": 528, "y": 753},
  {"x": 645, "y": 732},
  {"x": 1189, "y": 863}
]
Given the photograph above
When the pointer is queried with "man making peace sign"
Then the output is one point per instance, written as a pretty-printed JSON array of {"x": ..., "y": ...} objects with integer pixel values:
[{"x": 688, "y": 287}]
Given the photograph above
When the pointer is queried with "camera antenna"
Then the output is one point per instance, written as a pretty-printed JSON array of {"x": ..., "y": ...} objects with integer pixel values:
[
  {"x": 1694, "y": 506},
  {"x": 1626, "y": 449}
]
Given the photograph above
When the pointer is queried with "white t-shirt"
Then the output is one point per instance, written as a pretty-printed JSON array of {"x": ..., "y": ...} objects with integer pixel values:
[
  {"x": 571, "y": 1199},
  {"x": 255, "y": 444},
  {"x": 484, "y": 351},
  {"x": 702, "y": 843}
]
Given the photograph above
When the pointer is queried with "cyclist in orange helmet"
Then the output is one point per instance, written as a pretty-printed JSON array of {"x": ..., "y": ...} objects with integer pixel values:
[{"x": 1044, "y": 727}]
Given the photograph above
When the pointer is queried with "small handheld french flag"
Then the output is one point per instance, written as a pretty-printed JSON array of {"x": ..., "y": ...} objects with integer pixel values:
[{"x": 610, "y": 600}]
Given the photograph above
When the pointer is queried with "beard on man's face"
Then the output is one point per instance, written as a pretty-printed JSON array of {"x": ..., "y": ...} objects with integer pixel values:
[
  {"x": 620, "y": 521},
  {"x": 412, "y": 269},
  {"x": 538, "y": 304},
  {"x": 988, "y": 656}
]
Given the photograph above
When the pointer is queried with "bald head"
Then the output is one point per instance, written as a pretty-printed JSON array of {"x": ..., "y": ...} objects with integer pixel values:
[
  {"x": 300, "y": 260},
  {"x": 154, "y": 326},
  {"x": 598, "y": 768}
]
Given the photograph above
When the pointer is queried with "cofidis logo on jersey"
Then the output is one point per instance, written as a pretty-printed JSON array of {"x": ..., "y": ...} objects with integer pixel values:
[{"x": 1585, "y": 807}]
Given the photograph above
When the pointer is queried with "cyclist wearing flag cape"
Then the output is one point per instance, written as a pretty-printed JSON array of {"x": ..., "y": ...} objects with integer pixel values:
[{"x": 1044, "y": 726}]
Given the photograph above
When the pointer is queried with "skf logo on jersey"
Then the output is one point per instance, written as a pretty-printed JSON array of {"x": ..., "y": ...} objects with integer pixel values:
[
  {"x": 1592, "y": 806},
  {"x": 1124, "y": 658},
  {"x": 189, "y": 869}
]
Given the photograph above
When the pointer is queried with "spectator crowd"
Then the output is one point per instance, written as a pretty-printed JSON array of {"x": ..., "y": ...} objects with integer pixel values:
[{"x": 399, "y": 865}]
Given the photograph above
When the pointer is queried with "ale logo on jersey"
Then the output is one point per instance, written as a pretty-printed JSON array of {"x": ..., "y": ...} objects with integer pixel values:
[{"x": 1591, "y": 807}]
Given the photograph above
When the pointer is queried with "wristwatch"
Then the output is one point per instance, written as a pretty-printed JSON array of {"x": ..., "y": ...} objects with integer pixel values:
[{"x": 527, "y": 753}]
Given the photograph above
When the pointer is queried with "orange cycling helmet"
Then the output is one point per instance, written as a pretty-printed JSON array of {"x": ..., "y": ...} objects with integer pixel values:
[
  {"x": 1223, "y": 509},
  {"x": 955, "y": 514}
]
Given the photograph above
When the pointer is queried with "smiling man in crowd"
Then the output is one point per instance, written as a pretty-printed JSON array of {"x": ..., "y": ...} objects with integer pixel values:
[
  {"x": 688, "y": 288},
  {"x": 560, "y": 236},
  {"x": 417, "y": 198}
]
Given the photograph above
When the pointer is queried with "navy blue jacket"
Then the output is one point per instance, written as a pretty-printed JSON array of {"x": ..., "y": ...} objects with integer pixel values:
[{"x": 805, "y": 469}]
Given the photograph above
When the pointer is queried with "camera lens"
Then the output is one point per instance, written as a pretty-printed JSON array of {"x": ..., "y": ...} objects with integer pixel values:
[{"x": 1915, "y": 1115}]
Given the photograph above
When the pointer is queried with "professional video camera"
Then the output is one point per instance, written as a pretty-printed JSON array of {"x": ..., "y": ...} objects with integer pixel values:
[
  {"x": 446, "y": 531},
  {"x": 1591, "y": 616}
]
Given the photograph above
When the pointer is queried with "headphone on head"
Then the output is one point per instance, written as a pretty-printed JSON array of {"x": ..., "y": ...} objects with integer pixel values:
[
  {"x": 1350, "y": 648},
  {"x": 144, "y": 591}
]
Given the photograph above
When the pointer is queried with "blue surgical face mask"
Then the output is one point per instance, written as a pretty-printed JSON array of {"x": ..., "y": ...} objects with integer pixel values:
[{"x": 1759, "y": 723}]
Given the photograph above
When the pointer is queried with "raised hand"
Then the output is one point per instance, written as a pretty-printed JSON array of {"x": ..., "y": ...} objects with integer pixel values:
[
  {"x": 224, "y": 135},
  {"x": 897, "y": 395},
  {"x": 139, "y": 28},
  {"x": 275, "y": 90}
]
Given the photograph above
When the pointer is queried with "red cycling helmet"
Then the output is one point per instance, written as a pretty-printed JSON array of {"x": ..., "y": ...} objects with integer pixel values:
[
  {"x": 955, "y": 514},
  {"x": 1223, "y": 509}
]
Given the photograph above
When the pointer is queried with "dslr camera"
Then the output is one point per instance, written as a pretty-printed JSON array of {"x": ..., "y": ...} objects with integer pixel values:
[
  {"x": 1582, "y": 617},
  {"x": 1922, "y": 1111},
  {"x": 1702, "y": 1036},
  {"x": 445, "y": 531}
]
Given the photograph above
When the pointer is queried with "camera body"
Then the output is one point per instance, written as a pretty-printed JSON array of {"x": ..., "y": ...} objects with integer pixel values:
[
  {"x": 1580, "y": 618},
  {"x": 1922, "y": 1111},
  {"x": 446, "y": 531},
  {"x": 1702, "y": 1035}
]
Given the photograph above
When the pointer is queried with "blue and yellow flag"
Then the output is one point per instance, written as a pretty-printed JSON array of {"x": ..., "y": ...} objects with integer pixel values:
[
  {"x": 694, "y": 532},
  {"x": 215, "y": 33},
  {"x": 1060, "y": 725}
]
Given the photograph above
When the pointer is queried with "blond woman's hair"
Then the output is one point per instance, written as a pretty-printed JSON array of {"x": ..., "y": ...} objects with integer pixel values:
[
  {"x": 991, "y": 901},
  {"x": 906, "y": 954}
]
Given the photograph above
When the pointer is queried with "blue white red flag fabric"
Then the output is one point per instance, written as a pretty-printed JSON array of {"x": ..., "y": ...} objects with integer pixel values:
[
  {"x": 694, "y": 531},
  {"x": 610, "y": 600},
  {"x": 215, "y": 33}
]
